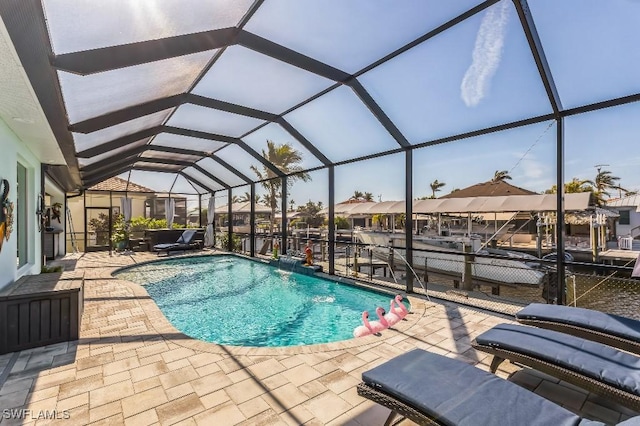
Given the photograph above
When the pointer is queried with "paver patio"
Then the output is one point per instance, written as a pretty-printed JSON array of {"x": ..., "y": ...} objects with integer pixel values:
[{"x": 132, "y": 367}]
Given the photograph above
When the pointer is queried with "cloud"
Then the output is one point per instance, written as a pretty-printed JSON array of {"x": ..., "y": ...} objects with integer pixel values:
[
  {"x": 533, "y": 169},
  {"x": 486, "y": 55}
]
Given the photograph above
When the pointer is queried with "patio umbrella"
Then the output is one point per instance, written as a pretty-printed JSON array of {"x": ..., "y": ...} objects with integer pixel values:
[
  {"x": 211, "y": 210},
  {"x": 169, "y": 211}
]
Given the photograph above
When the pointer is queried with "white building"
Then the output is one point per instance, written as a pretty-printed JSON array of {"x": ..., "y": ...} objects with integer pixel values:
[
  {"x": 629, "y": 210},
  {"x": 27, "y": 144}
]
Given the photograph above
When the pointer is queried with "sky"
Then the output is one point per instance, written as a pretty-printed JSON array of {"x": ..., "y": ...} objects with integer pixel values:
[{"x": 478, "y": 74}]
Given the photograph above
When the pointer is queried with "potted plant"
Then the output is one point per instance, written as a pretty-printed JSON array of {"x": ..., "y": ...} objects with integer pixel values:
[{"x": 120, "y": 235}]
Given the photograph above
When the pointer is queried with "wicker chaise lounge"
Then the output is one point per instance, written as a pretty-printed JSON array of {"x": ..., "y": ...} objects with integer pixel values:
[
  {"x": 595, "y": 367},
  {"x": 431, "y": 389},
  {"x": 612, "y": 330}
]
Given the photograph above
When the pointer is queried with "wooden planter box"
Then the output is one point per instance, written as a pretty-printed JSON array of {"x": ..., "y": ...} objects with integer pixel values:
[{"x": 40, "y": 310}]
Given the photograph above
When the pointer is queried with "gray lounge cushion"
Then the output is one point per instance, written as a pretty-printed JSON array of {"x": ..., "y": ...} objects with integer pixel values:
[
  {"x": 182, "y": 242},
  {"x": 591, "y": 359},
  {"x": 456, "y": 393},
  {"x": 165, "y": 246},
  {"x": 633, "y": 421},
  {"x": 593, "y": 320},
  {"x": 186, "y": 236}
]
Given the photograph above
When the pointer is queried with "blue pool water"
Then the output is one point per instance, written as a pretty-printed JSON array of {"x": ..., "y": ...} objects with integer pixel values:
[{"x": 234, "y": 301}]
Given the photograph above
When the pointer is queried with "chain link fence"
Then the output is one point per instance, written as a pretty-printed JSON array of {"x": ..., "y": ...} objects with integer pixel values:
[{"x": 604, "y": 290}]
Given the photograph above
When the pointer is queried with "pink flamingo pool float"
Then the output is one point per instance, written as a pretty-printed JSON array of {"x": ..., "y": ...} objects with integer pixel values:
[
  {"x": 371, "y": 327},
  {"x": 400, "y": 310},
  {"x": 385, "y": 320}
]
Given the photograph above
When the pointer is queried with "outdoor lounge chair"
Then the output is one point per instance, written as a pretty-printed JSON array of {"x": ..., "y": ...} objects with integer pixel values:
[
  {"x": 184, "y": 242},
  {"x": 431, "y": 389},
  {"x": 590, "y": 365},
  {"x": 612, "y": 330}
]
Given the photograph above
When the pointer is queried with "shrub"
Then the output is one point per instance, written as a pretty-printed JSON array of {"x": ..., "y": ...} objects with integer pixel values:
[
  {"x": 223, "y": 239},
  {"x": 342, "y": 222}
]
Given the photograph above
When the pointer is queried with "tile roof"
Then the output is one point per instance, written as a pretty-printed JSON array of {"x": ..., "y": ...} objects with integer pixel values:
[
  {"x": 117, "y": 184},
  {"x": 489, "y": 189}
]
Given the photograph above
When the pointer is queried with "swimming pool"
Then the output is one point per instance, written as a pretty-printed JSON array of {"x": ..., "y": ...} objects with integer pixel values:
[{"x": 230, "y": 300}]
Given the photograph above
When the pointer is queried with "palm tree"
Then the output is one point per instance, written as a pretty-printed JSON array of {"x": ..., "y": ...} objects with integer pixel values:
[
  {"x": 235, "y": 199},
  {"x": 292, "y": 205},
  {"x": 288, "y": 160},
  {"x": 266, "y": 200},
  {"x": 435, "y": 187},
  {"x": 604, "y": 182},
  {"x": 501, "y": 176},
  {"x": 245, "y": 197},
  {"x": 357, "y": 195},
  {"x": 620, "y": 191},
  {"x": 367, "y": 196}
]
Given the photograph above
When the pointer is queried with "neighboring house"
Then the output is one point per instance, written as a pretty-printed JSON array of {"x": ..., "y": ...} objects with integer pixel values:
[
  {"x": 489, "y": 189},
  {"x": 157, "y": 207},
  {"x": 628, "y": 208},
  {"x": 90, "y": 211}
]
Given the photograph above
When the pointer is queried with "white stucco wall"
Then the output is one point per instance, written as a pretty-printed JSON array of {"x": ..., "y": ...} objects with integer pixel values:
[{"x": 14, "y": 150}]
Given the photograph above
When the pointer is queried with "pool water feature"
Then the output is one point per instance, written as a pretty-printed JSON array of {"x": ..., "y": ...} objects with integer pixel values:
[{"x": 230, "y": 300}]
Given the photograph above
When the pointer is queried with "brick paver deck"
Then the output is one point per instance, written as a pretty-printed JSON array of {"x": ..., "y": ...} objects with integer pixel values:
[{"x": 132, "y": 367}]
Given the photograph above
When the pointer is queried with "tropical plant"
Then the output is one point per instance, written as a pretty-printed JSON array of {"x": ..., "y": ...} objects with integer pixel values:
[
  {"x": 223, "y": 240},
  {"x": 379, "y": 220},
  {"x": 368, "y": 196},
  {"x": 288, "y": 160},
  {"x": 501, "y": 176},
  {"x": 603, "y": 183},
  {"x": 266, "y": 200},
  {"x": 341, "y": 222},
  {"x": 244, "y": 197},
  {"x": 400, "y": 220},
  {"x": 292, "y": 205},
  {"x": 139, "y": 224},
  {"x": 357, "y": 195},
  {"x": 120, "y": 233},
  {"x": 574, "y": 186},
  {"x": 235, "y": 199},
  {"x": 100, "y": 226},
  {"x": 312, "y": 210},
  {"x": 435, "y": 187}
]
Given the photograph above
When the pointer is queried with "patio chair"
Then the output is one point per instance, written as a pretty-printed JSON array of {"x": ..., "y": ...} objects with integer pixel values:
[
  {"x": 612, "y": 330},
  {"x": 431, "y": 389},
  {"x": 184, "y": 242},
  {"x": 595, "y": 367}
]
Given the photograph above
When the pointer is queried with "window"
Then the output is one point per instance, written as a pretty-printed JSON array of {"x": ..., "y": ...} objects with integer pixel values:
[
  {"x": 158, "y": 209},
  {"x": 21, "y": 225},
  {"x": 625, "y": 217}
]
